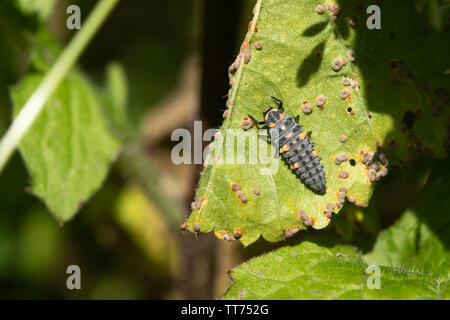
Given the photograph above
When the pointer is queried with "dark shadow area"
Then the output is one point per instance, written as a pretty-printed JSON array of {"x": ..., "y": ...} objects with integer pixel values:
[
  {"x": 220, "y": 36},
  {"x": 310, "y": 64},
  {"x": 315, "y": 29},
  {"x": 402, "y": 66}
]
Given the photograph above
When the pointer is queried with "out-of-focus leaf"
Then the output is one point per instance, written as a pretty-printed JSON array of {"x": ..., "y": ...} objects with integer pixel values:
[
  {"x": 146, "y": 226},
  {"x": 435, "y": 14},
  {"x": 311, "y": 271},
  {"x": 116, "y": 95},
  {"x": 42, "y": 8},
  {"x": 39, "y": 244},
  {"x": 45, "y": 50},
  {"x": 420, "y": 238},
  {"x": 68, "y": 150}
]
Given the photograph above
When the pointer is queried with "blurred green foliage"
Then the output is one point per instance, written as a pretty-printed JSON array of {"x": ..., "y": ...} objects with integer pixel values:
[{"x": 116, "y": 259}]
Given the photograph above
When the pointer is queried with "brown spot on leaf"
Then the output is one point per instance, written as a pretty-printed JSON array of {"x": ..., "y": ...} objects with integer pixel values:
[
  {"x": 321, "y": 100},
  {"x": 196, "y": 227},
  {"x": 346, "y": 82},
  {"x": 336, "y": 65},
  {"x": 305, "y": 218},
  {"x": 345, "y": 94},
  {"x": 343, "y": 174},
  {"x": 242, "y": 197},
  {"x": 291, "y": 231},
  {"x": 320, "y": 9},
  {"x": 341, "y": 158},
  {"x": 235, "y": 187},
  {"x": 351, "y": 56},
  {"x": 306, "y": 107},
  {"x": 246, "y": 123}
]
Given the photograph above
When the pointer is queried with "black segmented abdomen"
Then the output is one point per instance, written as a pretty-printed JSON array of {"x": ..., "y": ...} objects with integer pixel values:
[{"x": 300, "y": 153}]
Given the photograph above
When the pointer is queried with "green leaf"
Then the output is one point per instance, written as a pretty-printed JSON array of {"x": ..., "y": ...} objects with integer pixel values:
[
  {"x": 43, "y": 9},
  {"x": 68, "y": 149},
  {"x": 116, "y": 95},
  {"x": 435, "y": 14},
  {"x": 290, "y": 56},
  {"x": 420, "y": 238},
  {"x": 312, "y": 271}
]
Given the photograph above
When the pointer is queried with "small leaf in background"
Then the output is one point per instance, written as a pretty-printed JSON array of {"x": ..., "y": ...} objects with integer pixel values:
[
  {"x": 43, "y": 9},
  {"x": 378, "y": 92},
  {"x": 116, "y": 96},
  {"x": 39, "y": 245},
  {"x": 68, "y": 150},
  {"x": 312, "y": 271},
  {"x": 147, "y": 228},
  {"x": 435, "y": 14}
]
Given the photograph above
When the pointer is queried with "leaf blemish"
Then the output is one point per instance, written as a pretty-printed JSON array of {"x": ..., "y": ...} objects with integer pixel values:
[
  {"x": 224, "y": 235},
  {"x": 341, "y": 197},
  {"x": 335, "y": 11},
  {"x": 345, "y": 94},
  {"x": 351, "y": 56},
  {"x": 329, "y": 211},
  {"x": 321, "y": 101},
  {"x": 292, "y": 231},
  {"x": 305, "y": 218},
  {"x": 237, "y": 233},
  {"x": 341, "y": 158},
  {"x": 346, "y": 82},
  {"x": 320, "y": 9},
  {"x": 336, "y": 65},
  {"x": 306, "y": 107},
  {"x": 351, "y": 111},
  {"x": 343, "y": 174},
  {"x": 246, "y": 123},
  {"x": 241, "y": 197},
  {"x": 235, "y": 187},
  {"x": 256, "y": 191},
  {"x": 184, "y": 226}
]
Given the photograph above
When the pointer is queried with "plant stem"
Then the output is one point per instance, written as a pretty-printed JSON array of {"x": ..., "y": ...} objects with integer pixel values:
[{"x": 35, "y": 104}]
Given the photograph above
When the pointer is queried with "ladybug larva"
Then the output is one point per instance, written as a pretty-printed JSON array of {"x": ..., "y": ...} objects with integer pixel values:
[{"x": 295, "y": 145}]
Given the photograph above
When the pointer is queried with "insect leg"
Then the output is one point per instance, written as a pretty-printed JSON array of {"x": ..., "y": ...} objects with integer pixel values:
[
  {"x": 279, "y": 103},
  {"x": 256, "y": 121}
]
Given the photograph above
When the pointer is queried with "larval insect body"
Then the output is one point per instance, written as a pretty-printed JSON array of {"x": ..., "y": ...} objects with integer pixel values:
[{"x": 295, "y": 145}]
